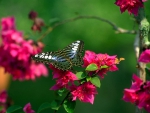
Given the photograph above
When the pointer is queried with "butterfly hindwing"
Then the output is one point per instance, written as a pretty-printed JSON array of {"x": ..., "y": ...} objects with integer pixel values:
[{"x": 63, "y": 59}]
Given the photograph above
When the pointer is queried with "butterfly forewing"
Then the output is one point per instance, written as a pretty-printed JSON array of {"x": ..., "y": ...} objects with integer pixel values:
[
  {"x": 63, "y": 59},
  {"x": 74, "y": 52}
]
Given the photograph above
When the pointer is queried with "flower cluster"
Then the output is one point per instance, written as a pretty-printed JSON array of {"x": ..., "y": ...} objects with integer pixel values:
[
  {"x": 16, "y": 53},
  {"x": 84, "y": 90},
  {"x": 139, "y": 93},
  {"x": 27, "y": 108},
  {"x": 63, "y": 78},
  {"x": 100, "y": 60},
  {"x": 131, "y": 5},
  {"x": 3, "y": 100}
]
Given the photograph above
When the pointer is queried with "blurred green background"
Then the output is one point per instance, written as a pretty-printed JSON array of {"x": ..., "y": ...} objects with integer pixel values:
[{"x": 97, "y": 36}]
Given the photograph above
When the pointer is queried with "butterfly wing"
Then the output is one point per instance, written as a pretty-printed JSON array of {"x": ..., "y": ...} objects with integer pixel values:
[
  {"x": 63, "y": 59},
  {"x": 74, "y": 52},
  {"x": 57, "y": 59}
]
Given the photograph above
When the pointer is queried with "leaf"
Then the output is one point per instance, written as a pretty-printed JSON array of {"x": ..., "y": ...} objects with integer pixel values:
[
  {"x": 147, "y": 71},
  {"x": 13, "y": 108},
  {"x": 61, "y": 92},
  {"x": 91, "y": 67},
  {"x": 80, "y": 75},
  {"x": 1, "y": 107},
  {"x": 104, "y": 66},
  {"x": 44, "y": 106},
  {"x": 55, "y": 104},
  {"x": 96, "y": 81},
  {"x": 69, "y": 105},
  {"x": 88, "y": 78}
]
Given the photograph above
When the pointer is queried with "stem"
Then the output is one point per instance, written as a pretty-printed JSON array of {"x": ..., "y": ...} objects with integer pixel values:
[
  {"x": 118, "y": 29},
  {"x": 143, "y": 44},
  {"x": 63, "y": 101}
]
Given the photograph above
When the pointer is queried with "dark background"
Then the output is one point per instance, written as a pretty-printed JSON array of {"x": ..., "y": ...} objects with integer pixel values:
[{"x": 97, "y": 36}]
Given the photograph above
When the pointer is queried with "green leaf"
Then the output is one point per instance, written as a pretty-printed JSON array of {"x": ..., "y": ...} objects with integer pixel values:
[
  {"x": 91, "y": 67},
  {"x": 69, "y": 105},
  {"x": 13, "y": 108},
  {"x": 44, "y": 106},
  {"x": 96, "y": 81},
  {"x": 55, "y": 104},
  {"x": 104, "y": 66},
  {"x": 80, "y": 75},
  {"x": 88, "y": 78},
  {"x": 147, "y": 71},
  {"x": 1, "y": 107},
  {"x": 61, "y": 92}
]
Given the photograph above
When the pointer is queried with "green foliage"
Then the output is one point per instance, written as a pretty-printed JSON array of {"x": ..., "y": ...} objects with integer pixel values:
[
  {"x": 1, "y": 107},
  {"x": 44, "y": 106},
  {"x": 80, "y": 75},
  {"x": 69, "y": 105},
  {"x": 96, "y": 81},
  {"x": 147, "y": 71},
  {"x": 55, "y": 104},
  {"x": 61, "y": 92},
  {"x": 13, "y": 108},
  {"x": 91, "y": 67},
  {"x": 104, "y": 66}
]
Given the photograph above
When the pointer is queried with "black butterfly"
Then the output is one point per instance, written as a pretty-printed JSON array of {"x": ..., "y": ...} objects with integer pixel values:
[{"x": 63, "y": 59}]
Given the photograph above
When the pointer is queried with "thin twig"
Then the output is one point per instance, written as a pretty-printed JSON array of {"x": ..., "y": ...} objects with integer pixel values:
[
  {"x": 63, "y": 101},
  {"x": 116, "y": 28}
]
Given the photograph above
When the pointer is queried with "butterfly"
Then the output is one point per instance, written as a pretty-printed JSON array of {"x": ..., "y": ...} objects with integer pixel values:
[{"x": 63, "y": 59}]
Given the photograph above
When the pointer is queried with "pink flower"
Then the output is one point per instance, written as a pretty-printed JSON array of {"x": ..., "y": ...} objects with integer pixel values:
[
  {"x": 145, "y": 56},
  {"x": 89, "y": 58},
  {"x": 3, "y": 97},
  {"x": 131, "y": 5},
  {"x": 3, "y": 101},
  {"x": 16, "y": 53},
  {"x": 85, "y": 92},
  {"x": 27, "y": 108},
  {"x": 63, "y": 78},
  {"x": 138, "y": 93},
  {"x": 100, "y": 60},
  {"x": 8, "y": 23}
]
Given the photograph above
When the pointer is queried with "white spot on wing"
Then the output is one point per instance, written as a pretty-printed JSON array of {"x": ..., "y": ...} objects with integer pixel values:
[
  {"x": 36, "y": 55},
  {"x": 41, "y": 55},
  {"x": 76, "y": 44},
  {"x": 53, "y": 58},
  {"x": 46, "y": 57},
  {"x": 74, "y": 49},
  {"x": 49, "y": 57},
  {"x": 78, "y": 41}
]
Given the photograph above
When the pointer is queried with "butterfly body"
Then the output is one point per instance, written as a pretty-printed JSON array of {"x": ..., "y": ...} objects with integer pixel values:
[{"x": 63, "y": 59}]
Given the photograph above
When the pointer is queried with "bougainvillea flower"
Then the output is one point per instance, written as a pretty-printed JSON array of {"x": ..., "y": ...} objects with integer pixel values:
[
  {"x": 16, "y": 53},
  {"x": 8, "y": 23},
  {"x": 3, "y": 101},
  {"x": 138, "y": 93},
  {"x": 145, "y": 56},
  {"x": 89, "y": 58},
  {"x": 100, "y": 60},
  {"x": 63, "y": 78},
  {"x": 131, "y": 5},
  {"x": 3, "y": 97},
  {"x": 85, "y": 92},
  {"x": 27, "y": 108}
]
